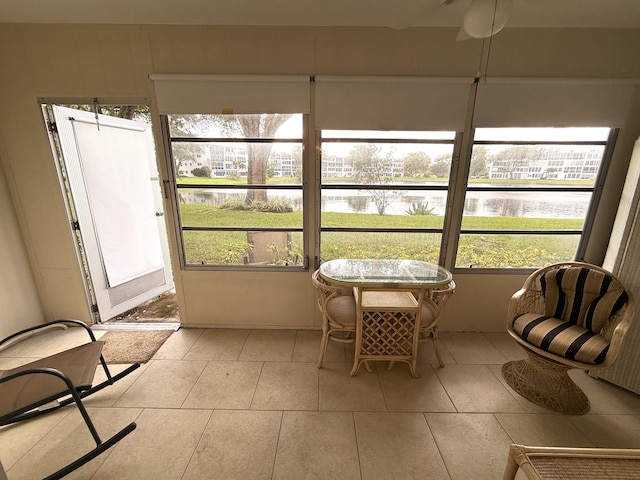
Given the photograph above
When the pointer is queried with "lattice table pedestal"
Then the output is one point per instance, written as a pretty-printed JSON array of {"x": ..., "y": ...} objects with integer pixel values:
[{"x": 387, "y": 329}]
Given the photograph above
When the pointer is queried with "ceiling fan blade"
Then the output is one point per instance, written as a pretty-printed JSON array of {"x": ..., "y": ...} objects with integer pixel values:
[{"x": 486, "y": 17}]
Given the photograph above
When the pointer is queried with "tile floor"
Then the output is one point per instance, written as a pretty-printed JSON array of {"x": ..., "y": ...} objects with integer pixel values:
[{"x": 251, "y": 404}]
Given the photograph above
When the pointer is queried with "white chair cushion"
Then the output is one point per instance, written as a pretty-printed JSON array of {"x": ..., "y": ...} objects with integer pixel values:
[{"x": 342, "y": 309}]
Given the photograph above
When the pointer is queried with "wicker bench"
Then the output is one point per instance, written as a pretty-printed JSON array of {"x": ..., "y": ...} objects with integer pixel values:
[{"x": 556, "y": 463}]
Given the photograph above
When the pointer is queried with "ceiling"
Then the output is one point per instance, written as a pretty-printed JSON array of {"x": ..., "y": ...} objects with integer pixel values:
[{"x": 387, "y": 13}]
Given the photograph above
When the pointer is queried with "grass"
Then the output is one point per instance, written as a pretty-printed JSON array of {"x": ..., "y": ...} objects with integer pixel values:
[{"x": 488, "y": 251}]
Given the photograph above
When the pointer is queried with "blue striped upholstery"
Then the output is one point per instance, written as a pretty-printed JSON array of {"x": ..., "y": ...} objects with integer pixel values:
[{"x": 578, "y": 302}]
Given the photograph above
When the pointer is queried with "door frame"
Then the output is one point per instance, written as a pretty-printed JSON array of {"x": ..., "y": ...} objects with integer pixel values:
[{"x": 62, "y": 167}]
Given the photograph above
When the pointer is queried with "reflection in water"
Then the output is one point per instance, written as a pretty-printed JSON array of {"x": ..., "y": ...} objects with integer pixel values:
[
  {"x": 357, "y": 204},
  {"x": 571, "y": 205}
]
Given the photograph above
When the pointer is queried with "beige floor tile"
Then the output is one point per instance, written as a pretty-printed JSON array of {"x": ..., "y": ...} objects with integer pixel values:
[
  {"x": 70, "y": 439},
  {"x": 474, "y": 388},
  {"x": 547, "y": 430},
  {"x": 471, "y": 348},
  {"x": 404, "y": 393},
  {"x": 163, "y": 384},
  {"x": 110, "y": 394},
  {"x": 236, "y": 445},
  {"x": 17, "y": 439},
  {"x": 473, "y": 446},
  {"x": 339, "y": 391},
  {"x": 605, "y": 397},
  {"x": 609, "y": 431},
  {"x": 225, "y": 385},
  {"x": 159, "y": 449},
  {"x": 307, "y": 346},
  {"x": 268, "y": 346},
  {"x": 426, "y": 353},
  {"x": 338, "y": 352},
  {"x": 318, "y": 445},
  {"x": 397, "y": 446},
  {"x": 178, "y": 344},
  {"x": 287, "y": 386},
  {"x": 218, "y": 344},
  {"x": 505, "y": 344}
]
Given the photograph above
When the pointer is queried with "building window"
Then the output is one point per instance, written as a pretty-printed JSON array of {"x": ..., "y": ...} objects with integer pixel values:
[
  {"x": 531, "y": 196},
  {"x": 383, "y": 194},
  {"x": 239, "y": 188}
]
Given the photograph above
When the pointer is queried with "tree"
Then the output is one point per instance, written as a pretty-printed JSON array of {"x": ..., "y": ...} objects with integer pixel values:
[
  {"x": 179, "y": 125},
  {"x": 515, "y": 159},
  {"x": 253, "y": 127},
  {"x": 478, "y": 167},
  {"x": 130, "y": 112},
  {"x": 441, "y": 166},
  {"x": 372, "y": 169},
  {"x": 416, "y": 164}
]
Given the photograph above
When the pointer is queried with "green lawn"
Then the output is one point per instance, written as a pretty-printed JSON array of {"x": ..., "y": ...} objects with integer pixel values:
[{"x": 487, "y": 251}]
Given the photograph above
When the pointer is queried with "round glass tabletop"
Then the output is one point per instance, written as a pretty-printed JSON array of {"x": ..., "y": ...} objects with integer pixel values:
[{"x": 387, "y": 272}]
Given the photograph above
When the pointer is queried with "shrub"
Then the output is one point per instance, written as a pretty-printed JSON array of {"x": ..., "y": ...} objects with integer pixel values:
[
  {"x": 202, "y": 172},
  {"x": 273, "y": 205},
  {"x": 419, "y": 208}
]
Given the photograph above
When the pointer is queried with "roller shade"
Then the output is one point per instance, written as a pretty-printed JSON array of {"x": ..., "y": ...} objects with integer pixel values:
[
  {"x": 391, "y": 103},
  {"x": 191, "y": 94},
  {"x": 510, "y": 102}
]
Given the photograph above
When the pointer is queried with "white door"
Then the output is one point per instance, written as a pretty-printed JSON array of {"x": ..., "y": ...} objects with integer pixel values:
[{"x": 113, "y": 180}]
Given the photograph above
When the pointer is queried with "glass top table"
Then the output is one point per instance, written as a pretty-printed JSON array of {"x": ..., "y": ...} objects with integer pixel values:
[{"x": 387, "y": 273}]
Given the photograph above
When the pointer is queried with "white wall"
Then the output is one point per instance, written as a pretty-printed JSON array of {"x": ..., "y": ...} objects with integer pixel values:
[
  {"x": 19, "y": 301},
  {"x": 71, "y": 61}
]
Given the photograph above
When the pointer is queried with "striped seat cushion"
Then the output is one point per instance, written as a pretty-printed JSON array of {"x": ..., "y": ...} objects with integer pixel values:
[
  {"x": 562, "y": 338},
  {"x": 582, "y": 296}
]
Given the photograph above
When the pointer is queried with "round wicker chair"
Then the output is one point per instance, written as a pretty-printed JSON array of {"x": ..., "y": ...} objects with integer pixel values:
[
  {"x": 566, "y": 316},
  {"x": 433, "y": 305},
  {"x": 338, "y": 314}
]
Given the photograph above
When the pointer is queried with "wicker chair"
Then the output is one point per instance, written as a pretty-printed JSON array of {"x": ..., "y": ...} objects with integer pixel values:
[
  {"x": 338, "y": 314},
  {"x": 566, "y": 316},
  {"x": 433, "y": 304}
]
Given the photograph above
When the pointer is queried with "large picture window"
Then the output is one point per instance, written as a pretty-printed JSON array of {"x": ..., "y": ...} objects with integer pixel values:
[
  {"x": 530, "y": 196},
  {"x": 384, "y": 193},
  {"x": 402, "y": 167},
  {"x": 239, "y": 188}
]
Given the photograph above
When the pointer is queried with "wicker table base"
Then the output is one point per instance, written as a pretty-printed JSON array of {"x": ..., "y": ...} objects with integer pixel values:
[
  {"x": 546, "y": 383},
  {"x": 554, "y": 463},
  {"x": 387, "y": 328}
]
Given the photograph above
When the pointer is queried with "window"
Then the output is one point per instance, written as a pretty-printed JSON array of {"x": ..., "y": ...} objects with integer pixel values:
[
  {"x": 530, "y": 196},
  {"x": 383, "y": 193},
  {"x": 239, "y": 188},
  {"x": 398, "y": 174}
]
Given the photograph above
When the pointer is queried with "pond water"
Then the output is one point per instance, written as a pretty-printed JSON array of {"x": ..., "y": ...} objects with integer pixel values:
[{"x": 567, "y": 205}]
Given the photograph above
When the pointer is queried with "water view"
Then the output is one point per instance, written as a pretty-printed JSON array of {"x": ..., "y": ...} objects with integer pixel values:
[{"x": 564, "y": 205}]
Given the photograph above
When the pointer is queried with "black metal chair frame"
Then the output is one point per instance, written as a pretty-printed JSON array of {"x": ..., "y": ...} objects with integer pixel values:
[{"x": 71, "y": 394}]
